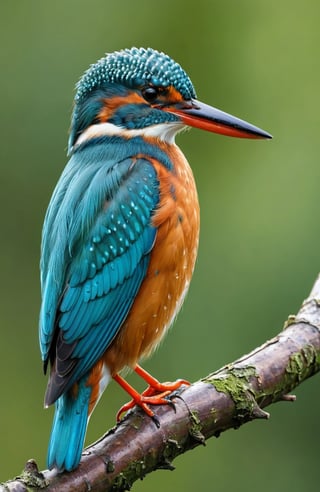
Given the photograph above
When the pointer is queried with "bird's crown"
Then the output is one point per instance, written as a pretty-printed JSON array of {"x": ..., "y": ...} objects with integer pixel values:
[{"x": 134, "y": 67}]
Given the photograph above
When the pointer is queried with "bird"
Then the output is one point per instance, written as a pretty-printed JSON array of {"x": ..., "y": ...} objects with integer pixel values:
[{"x": 120, "y": 237}]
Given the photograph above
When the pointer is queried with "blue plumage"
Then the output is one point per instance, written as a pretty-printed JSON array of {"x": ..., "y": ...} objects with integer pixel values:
[
  {"x": 69, "y": 429},
  {"x": 97, "y": 239},
  {"x": 132, "y": 68}
]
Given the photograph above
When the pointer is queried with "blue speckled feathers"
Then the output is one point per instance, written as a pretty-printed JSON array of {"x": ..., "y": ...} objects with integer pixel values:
[
  {"x": 134, "y": 67},
  {"x": 97, "y": 239}
]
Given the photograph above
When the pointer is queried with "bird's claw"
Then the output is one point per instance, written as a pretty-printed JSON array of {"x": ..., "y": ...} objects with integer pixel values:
[
  {"x": 154, "y": 395},
  {"x": 146, "y": 398}
]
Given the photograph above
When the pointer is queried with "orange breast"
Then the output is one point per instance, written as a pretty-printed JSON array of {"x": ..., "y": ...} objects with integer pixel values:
[{"x": 171, "y": 265}]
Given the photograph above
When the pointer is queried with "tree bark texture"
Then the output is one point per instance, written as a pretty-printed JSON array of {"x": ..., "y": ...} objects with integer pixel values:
[{"x": 227, "y": 398}]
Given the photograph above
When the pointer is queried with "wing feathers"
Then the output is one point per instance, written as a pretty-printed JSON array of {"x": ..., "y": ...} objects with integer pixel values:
[{"x": 101, "y": 263}]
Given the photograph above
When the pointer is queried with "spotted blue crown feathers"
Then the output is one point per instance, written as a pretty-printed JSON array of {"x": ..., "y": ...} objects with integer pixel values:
[{"x": 134, "y": 67}]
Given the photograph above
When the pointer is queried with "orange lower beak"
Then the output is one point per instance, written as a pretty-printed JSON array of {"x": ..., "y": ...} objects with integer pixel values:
[{"x": 200, "y": 115}]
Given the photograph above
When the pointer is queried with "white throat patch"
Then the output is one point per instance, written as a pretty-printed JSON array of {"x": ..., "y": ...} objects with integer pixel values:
[{"x": 164, "y": 131}]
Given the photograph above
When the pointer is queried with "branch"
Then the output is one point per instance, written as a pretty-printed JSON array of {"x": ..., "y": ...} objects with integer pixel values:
[{"x": 226, "y": 399}]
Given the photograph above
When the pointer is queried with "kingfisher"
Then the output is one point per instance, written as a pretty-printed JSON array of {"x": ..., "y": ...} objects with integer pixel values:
[{"x": 120, "y": 237}]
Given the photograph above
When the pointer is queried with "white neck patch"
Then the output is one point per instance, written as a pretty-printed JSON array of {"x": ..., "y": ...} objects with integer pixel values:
[{"x": 163, "y": 131}]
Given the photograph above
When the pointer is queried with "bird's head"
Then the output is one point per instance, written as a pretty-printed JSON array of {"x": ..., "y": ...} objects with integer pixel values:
[{"x": 142, "y": 91}]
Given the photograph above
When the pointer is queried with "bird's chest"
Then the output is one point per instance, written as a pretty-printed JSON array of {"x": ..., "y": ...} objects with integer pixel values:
[
  {"x": 175, "y": 251},
  {"x": 171, "y": 264},
  {"x": 177, "y": 220}
]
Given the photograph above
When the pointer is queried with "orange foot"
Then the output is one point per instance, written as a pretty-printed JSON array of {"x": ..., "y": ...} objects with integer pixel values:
[{"x": 155, "y": 394}]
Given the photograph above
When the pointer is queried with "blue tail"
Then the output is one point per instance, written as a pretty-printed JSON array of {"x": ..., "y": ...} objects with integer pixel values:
[{"x": 69, "y": 429}]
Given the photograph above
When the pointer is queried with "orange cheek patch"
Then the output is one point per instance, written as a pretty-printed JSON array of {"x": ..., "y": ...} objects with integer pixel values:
[
  {"x": 110, "y": 105},
  {"x": 113, "y": 103}
]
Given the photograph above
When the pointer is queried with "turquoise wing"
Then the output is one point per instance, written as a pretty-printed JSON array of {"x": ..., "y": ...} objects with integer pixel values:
[{"x": 97, "y": 239}]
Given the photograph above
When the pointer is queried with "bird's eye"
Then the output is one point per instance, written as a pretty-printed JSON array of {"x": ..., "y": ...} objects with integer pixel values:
[{"x": 150, "y": 94}]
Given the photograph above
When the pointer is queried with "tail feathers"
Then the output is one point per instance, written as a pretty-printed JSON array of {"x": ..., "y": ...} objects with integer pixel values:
[{"x": 69, "y": 429}]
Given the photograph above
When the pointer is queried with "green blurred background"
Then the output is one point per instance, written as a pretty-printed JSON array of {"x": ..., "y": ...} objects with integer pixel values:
[{"x": 259, "y": 252}]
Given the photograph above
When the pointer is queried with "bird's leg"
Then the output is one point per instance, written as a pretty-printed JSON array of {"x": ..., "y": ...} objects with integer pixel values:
[
  {"x": 155, "y": 394},
  {"x": 155, "y": 387}
]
